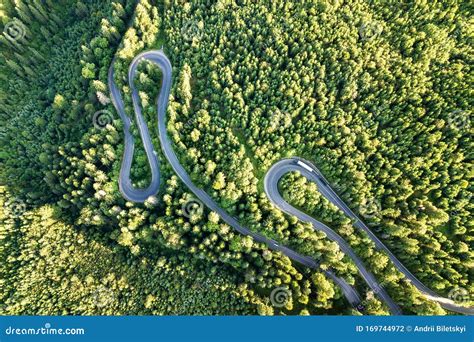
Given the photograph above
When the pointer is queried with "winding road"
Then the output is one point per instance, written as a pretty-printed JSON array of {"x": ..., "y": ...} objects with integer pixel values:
[
  {"x": 311, "y": 172},
  {"x": 270, "y": 183}
]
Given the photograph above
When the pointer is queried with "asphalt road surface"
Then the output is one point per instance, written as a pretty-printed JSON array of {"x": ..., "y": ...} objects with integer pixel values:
[
  {"x": 140, "y": 195},
  {"x": 271, "y": 188},
  {"x": 312, "y": 173},
  {"x": 125, "y": 184}
]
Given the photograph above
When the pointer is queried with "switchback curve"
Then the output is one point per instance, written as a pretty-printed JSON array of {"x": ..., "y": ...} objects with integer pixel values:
[{"x": 271, "y": 188}]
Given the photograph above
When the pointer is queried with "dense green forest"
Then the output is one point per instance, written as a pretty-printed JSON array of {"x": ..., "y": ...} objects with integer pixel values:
[{"x": 377, "y": 94}]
